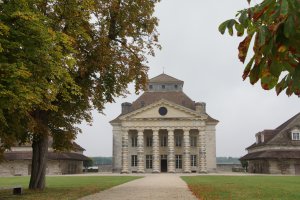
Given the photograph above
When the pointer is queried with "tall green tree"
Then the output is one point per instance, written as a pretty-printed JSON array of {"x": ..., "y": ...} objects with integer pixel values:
[
  {"x": 273, "y": 26},
  {"x": 59, "y": 59}
]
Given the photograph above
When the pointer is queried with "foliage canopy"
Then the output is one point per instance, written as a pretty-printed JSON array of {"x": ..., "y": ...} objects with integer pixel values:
[
  {"x": 273, "y": 26},
  {"x": 59, "y": 59}
]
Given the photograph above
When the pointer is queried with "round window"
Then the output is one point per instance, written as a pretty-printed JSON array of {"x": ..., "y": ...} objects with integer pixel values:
[{"x": 163, "y": 111}]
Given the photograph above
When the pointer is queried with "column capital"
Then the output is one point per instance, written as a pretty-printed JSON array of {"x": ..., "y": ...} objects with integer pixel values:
[
  {"x": 186, "y": 129},
  {"x": 139, "y": 130},
  {"x": 155, "y": 129},
  {"x": 170, "y": 129}
]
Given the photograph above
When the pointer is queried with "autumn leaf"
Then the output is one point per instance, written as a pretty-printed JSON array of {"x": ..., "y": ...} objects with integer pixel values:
[{"x": 243, "y": 48}]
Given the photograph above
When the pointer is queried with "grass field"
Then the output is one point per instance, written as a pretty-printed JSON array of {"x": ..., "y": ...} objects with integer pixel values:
[
  {"x": 244, "y": 187},
  {"x": 62, "y": 187}
]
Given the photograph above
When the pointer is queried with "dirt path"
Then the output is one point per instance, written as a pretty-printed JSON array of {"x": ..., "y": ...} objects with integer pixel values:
[{"x": 152, "y": 186}]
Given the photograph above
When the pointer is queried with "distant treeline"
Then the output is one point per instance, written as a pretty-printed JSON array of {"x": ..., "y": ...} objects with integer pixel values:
[
  {"x": 108, "y": 160},
  {"x": 102, "y": 160},
  {"x": 228, "y": 160}
]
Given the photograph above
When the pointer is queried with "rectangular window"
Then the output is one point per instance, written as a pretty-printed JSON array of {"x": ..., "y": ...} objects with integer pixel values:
[
  {"x": 133, "y": 160},
  {"x": 163, "y": 140},
  {"x": 296, "y": 136},
  {"x": 163, "y": 86},
  {"x": 178, "y": 139},
  {"x": 193, "y": 141},
  {"x": 193, "y": 160},
  {"x": 134, "y": 141},
  {"x": 149, "y": 141},
  {"x": 178, "y": 161},
  {"x": 148, "y": 161}
]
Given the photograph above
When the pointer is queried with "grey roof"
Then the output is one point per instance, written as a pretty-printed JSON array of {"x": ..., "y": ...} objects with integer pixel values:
[
  {"x": 164, "y": 78},
  {"x": 272, "y": 154},
  {"x": 27, "y": 155},
  {"x": 270, "y": 134}
]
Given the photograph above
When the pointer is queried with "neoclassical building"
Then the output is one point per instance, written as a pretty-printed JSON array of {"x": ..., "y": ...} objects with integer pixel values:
[{"x": 164, "y": 131}]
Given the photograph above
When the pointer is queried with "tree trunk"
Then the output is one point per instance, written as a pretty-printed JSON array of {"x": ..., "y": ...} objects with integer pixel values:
[{"x": 39, "y": 155}]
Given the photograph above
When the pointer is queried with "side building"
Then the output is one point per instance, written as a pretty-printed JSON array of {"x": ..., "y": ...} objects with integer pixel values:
[
  {"x": 276, "y": 151},
  {"x": 17, "y": 161},
  {"x": 164, "y": 131}
]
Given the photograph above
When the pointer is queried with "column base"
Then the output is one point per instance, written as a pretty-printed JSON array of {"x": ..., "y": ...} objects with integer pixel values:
[
  {"x": 187, "y": 172},
  {"x": 141, "y": 172},
  {"x": 124, "y": 172},
  {"x": 155, "y": 172}
]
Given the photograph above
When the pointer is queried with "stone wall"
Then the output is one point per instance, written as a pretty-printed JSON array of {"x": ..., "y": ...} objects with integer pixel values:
[
  {"x": 227, "y": 167},
  {"x": 117, "y": 148},
  {"x": 15, "y": 168},
  {"x": 54, "y": 167},
  {"x": 211, "y": 148}
]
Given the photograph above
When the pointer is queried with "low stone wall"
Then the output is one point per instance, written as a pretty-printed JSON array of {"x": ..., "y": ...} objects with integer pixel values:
[
  {"x": 104, "y": 168},
  {"x": 228, "y": 167}
]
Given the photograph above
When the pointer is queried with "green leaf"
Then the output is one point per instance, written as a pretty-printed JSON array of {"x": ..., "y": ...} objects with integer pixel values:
[
  {"x": 248, "y": 68},
  {"x": 289, "y": 27},
  {"x": 230, "y": 26},
  {"x": 275, "y": 68},
  {"x": 284, "y": 7},
  {"x": 268, "y": 81},
  {"x": 243, "y": 19},
  {"x": 263, "y": 30},
  {"x": 255, "y": 74},
  {"x": 281, "y": 85},
  {"x": 223, "y": 27},
  {"x": 240, "y": 29}
]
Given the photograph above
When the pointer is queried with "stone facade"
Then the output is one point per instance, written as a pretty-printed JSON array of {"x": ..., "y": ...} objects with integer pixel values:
[
  {"x": 17, "y": 161},
  {"x": 164, "y": 131},
  {"x": 276, "y": 151}
]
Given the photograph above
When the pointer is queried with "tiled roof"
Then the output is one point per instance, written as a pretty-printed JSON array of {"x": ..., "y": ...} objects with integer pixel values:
[
  {"x": 78, "y": 147},
  {"x": 164, "y": 78},
  {"x": 148, "y": 98},
  {"x": 27, "y": 155},
  {"x": 272, "y": 155},
  {"x": 285, "y": 124},
  {"x": 270, "y": 134},
  {"x": 179, "y": 98}
]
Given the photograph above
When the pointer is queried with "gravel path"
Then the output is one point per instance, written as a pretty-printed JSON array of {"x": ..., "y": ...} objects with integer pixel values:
[{"x": 152, "y": 186}]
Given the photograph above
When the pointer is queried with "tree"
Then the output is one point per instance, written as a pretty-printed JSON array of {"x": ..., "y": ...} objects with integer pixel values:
[
  {"x": 88, "y": 163},
  {"x": 274, "y": 27},
  {"x": 62, "y": 58}
]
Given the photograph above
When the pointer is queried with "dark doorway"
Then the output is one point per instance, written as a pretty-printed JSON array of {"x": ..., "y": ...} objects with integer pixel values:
[{"x": 163, "y": 165}]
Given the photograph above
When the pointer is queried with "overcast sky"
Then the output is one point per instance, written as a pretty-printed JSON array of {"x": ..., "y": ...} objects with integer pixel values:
[{"x": 195, "y": 52}]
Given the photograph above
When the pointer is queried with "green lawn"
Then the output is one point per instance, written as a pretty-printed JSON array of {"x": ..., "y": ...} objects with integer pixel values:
[
  {"x": 244, "y": 187},
  {"x": 63, "y": 187}
]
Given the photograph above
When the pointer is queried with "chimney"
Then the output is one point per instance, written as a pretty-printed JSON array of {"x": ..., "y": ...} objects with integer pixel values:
[
  {"x": 126, "y": 107},
  {"x": 200, "y": 107}
]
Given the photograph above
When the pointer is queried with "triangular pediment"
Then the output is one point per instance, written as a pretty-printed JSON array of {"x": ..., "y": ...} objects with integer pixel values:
[{"x": 152, "y": 111}]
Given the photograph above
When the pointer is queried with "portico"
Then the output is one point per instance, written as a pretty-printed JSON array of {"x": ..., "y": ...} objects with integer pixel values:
[
  {"x": 164, "y": 132},
  {"x": 159, "y": 148}
]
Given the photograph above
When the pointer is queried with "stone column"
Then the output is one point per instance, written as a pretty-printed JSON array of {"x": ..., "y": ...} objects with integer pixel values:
[
  {"x": 156, "y": 167},
  {"x": 202, "y": 151},
  {"x": 186, "y": 151},
  {"x": 125, "y": 151},
  {"x": 171, "y": 153},
  {"x": 140, "y": 151}
]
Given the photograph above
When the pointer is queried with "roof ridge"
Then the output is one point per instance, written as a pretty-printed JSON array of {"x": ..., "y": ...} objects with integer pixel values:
[
  {"x": 163, "y": 78},
  {"x": 285, "y": 124}
]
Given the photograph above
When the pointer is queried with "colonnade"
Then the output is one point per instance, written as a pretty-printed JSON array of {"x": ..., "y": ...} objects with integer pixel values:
[{"x": 201, "y": 150}]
